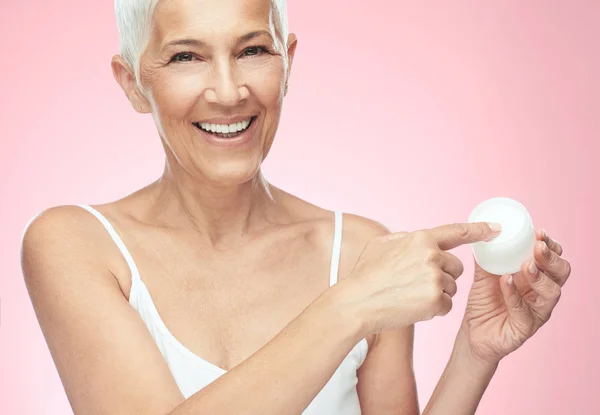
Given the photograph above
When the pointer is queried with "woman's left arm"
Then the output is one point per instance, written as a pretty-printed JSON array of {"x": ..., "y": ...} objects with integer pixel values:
[
  {"x": 386, "y": 380},
  {"x": 502, "y": 314},
  {"x": 387, "y": 386},
  {"x": 463, "y": 382}
]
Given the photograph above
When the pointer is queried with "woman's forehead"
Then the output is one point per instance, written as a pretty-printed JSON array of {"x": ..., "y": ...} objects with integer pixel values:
[{"x": 177, "y": 18}]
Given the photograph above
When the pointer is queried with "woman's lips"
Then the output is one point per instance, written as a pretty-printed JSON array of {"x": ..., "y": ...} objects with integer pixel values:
[
  {"x": 226, "y": 128},
  {"x": 228, "y": 139}
]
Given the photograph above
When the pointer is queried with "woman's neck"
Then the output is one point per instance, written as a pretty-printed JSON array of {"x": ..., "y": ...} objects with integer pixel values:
[{"x": 222, "y": 215}]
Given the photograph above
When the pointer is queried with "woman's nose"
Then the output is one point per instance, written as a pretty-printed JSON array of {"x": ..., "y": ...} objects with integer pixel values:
[{"x": 226, "y": 90}]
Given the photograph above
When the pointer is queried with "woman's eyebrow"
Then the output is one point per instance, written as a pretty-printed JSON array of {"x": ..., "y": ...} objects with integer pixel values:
[
  {"x": 252, "y": 35},
  {"x": 184, "y": 42},
  {"x": 198, "y": 43}
]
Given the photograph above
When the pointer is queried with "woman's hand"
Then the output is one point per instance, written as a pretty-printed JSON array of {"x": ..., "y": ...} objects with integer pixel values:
[
  {"x": 503, "y": 312},
  {"x": 402, "y": 278}
]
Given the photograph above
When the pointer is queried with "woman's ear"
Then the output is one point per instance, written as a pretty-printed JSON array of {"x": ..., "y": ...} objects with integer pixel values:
[
  {"x": 291, "y": 51},
  {"x": 126, "y": 79}
]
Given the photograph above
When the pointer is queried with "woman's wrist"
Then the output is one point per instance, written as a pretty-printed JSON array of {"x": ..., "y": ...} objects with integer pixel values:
[
  {"x": 468, "y": 359},
  {"x": 464, "y": 381},
  {"x": 336, "y": 306}
]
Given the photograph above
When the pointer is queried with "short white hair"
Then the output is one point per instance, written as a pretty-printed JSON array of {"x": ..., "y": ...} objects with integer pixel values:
[{"x": 134, "y": 18}]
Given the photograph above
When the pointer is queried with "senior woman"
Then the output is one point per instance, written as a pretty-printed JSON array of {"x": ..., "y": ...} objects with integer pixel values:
[{"x": 211, "y": 292}]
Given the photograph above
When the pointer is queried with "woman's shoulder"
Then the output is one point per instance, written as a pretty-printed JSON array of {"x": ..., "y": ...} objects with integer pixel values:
[
  {"x": 355, "y": 227},
  {"x": 361, "y": 227},
  {"x": 357, "y": 232},
  {"x": 64, "y": 222},
  {"x": 65, "y": 236},
  {"x": 78, "y": 221}
]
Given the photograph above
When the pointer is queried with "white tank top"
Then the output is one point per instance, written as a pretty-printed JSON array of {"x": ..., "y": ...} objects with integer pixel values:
[{"x": 192, "y": 373}]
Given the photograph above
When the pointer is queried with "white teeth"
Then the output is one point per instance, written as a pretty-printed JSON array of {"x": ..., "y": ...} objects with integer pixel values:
[{"x": 225, "y": 128}]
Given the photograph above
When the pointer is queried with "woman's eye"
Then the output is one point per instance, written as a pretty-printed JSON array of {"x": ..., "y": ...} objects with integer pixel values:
[
  {"x": 183, "y": 57},
  {"x": 253, "y": 51}
]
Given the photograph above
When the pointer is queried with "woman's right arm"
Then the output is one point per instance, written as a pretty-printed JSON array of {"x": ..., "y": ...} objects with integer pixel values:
[{"x": 109, "y": 364}]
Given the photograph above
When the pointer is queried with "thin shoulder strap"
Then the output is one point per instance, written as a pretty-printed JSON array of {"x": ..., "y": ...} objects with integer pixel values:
[
  {"x": 116, "y": 238},
  {"x": 337, "y": 248}
]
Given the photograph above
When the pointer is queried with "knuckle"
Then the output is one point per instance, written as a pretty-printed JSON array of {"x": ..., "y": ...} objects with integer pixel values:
[
  {"x": 444, "y": 306},
  {"x": 438, "y": 276},
  {"x": 482, "y": 228},
  {"x": 447, "y": 308},
  {"x": 421, "y": 237},
  {"x": 463, "y": 230},
  {"x": 454, "y": 287},
  {"x": 456, "y": 264},
  {"x": 557, "y": 247},
  {"x": 519, "y": 305},
  {"x": 437, "y": 296},
  {"x": 555, "y": 292},
  {"x": 562, "y": 267},
  {"x": 551, "y": 258},
  {"x": 432, "y": 256},
  {"x": 545, "y": 249},
  {"x": 460, "y": 268}
]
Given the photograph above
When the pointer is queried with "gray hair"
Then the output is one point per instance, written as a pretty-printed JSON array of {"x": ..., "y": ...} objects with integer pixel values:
[{"x": 134, "y": 19}]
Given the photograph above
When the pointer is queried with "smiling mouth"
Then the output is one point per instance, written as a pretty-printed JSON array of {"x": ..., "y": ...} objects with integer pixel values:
[{"x": 225, "y": 130}]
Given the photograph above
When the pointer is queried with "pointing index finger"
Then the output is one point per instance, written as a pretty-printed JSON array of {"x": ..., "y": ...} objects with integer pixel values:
[{"x": 454, "y": 235}]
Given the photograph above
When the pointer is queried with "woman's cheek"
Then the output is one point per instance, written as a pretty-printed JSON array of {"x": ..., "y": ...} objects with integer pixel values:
[
  {"x": 266, "y": 79},
  {"x": 178, "y": 94}
]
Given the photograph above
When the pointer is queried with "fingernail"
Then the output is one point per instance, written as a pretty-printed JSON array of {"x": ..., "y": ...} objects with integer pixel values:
[
  {"x": 532, "y": 268},
  {"x": 510, "y": 281},
  {"x": 545, "y": 248},
  {"x": 495, "y": 227}
]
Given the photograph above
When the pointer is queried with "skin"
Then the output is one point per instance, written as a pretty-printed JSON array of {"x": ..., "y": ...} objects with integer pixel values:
[
  {"x": 208, "y": 242},
  {"x": 502, "y": 314}
]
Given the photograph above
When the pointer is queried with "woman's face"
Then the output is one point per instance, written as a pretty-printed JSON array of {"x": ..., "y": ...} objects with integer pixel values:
[{"x": 214, "y": 74}]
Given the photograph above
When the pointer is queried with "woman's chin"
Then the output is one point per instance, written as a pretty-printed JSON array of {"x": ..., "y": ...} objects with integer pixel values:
[{"x": 231, "y": 174}]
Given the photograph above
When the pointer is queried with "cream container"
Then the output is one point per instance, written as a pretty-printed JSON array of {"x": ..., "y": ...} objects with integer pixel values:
[{"x": 514, "y": 245}]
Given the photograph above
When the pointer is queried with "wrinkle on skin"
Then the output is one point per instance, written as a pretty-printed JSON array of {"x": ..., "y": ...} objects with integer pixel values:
[{"x": 217, "y": 76}]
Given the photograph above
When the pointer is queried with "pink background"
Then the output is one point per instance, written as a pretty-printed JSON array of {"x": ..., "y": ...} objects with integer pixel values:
[{"x": 407, "y": 112}]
